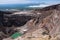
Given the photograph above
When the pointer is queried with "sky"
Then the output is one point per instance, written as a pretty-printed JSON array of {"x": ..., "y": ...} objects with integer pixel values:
[{"x": 29, "y": 1}]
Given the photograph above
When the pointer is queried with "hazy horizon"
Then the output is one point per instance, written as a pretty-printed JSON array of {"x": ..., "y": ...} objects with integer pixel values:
[{"x": 29, "y": 1}]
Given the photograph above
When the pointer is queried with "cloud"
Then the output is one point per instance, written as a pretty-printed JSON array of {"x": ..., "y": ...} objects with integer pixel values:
[{"x": 13, "y": 1}]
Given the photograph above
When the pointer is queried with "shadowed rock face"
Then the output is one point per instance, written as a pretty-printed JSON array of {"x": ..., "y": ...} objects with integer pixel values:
[
  {"x": 2, "y": 16},
  {"x": 17, "y": 20},
  {"x": 9, "y": 20}
]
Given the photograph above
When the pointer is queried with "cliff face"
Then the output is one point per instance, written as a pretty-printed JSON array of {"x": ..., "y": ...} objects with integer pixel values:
[
  {"x": 52, "y": 14},
  {"x": 52, "y": 20}
]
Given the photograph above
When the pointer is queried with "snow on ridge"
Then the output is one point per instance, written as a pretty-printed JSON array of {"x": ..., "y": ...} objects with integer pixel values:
[{"x": 43, "y": 5}]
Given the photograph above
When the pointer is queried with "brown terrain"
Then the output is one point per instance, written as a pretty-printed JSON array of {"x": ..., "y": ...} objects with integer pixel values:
[{"x": 38, "y": 24}]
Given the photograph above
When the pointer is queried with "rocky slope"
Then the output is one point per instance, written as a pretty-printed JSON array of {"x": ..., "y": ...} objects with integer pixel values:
[{"x": 44, "y": 24}]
